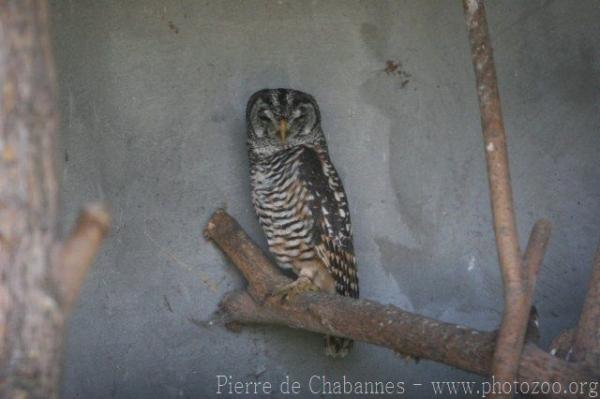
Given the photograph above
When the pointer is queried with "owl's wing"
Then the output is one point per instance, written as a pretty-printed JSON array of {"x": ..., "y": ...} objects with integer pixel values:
[{"x": 332, "y": 229}]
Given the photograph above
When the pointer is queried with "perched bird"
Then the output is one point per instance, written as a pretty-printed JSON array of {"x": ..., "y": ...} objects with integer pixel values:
[{"x": 299, "y": 198}]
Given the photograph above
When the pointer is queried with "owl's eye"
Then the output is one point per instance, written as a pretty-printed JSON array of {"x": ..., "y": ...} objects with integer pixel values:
[
  {"x": 262, "y": 115},
  {"x": 301, "y": 118}
]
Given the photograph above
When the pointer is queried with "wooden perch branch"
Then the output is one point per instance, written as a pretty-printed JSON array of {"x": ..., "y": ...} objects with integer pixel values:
[
  {"x": 363, "y": 320},
  {"x": 224, "y": 231}
]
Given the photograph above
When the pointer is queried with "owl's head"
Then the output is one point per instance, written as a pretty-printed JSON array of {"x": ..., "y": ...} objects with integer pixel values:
[{"x": 279, "y": 119}]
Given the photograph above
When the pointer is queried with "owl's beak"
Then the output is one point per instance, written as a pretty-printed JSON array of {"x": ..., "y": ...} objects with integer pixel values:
[{"x": 283, "y": 129}]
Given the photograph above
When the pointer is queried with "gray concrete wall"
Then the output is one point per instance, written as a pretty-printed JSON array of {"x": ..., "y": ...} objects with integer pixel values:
[{"x": 152, "y": 100}]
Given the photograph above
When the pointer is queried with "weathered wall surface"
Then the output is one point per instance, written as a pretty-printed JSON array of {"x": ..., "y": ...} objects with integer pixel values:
[{"x": 152, "y": 98}]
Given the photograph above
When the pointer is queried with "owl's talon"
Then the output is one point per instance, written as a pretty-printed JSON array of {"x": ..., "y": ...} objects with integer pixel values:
[
  {"x": 300, "y": 285},
  {"x": 408, "y": 358}
]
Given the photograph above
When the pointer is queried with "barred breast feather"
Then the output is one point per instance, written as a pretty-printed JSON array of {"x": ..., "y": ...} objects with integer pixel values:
[{"x": 302, "y": 207}]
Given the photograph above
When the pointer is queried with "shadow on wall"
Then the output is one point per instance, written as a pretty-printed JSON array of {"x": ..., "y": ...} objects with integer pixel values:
[{"x": 431, "y": 174}]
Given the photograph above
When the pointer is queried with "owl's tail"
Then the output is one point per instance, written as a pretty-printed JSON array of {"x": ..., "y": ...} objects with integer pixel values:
[{"x": 337, "y": 346}]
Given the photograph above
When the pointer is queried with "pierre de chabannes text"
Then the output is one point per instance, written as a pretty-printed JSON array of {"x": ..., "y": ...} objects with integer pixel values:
[{"x": 323, "y": 385}]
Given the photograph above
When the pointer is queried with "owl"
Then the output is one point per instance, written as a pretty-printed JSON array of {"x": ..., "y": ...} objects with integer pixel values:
[{"x": 299, "y": 197}]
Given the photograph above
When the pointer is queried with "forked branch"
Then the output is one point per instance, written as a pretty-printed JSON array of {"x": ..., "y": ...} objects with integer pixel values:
[{"x": 368, "y": 321}]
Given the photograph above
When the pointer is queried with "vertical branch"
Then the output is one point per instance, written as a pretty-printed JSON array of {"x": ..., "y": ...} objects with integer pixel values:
[
  {"x": 516, "y": 304},
  {"x": 586, "y": 345}
]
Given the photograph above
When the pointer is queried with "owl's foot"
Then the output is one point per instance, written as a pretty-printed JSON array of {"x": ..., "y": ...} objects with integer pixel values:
[
  {"x": 407, "y": 358},
  {"x": 300, "y": 285}
]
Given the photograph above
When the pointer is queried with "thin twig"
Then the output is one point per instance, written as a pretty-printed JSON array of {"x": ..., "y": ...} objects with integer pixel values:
[
  {"x": 534, "y": 254},
  {"x": 79, "y": 251}
]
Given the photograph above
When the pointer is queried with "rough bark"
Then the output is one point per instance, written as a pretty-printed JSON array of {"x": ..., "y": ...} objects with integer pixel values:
[
  {"x": 32, "y": 294},
  {"x": 385, "y": 325},
  {"x": 30, "y": 316}
]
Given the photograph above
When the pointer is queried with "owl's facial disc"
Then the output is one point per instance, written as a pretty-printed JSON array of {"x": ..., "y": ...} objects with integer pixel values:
[{"x": 282, "y": 118}]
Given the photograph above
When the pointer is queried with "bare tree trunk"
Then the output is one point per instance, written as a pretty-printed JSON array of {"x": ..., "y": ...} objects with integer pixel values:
[
  {"x": 35, "y": 297},
  {"x": 31, "y": 316}
]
